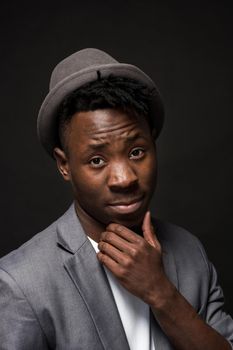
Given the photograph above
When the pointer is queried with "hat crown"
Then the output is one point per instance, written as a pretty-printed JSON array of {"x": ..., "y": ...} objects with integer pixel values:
[
  {"x": 77, "y": 70},
  {"x": 78, "y": 61}
]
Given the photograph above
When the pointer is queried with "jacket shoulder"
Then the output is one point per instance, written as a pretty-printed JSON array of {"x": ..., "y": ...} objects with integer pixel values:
[
  {"x": 188, "y": 252},
  {"x": 38, "y": 251},
  {"x": 177, "y": 237}
]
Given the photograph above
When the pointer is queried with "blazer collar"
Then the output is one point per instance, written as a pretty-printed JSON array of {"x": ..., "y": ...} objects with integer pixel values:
[{"x": 70, "y": 234}]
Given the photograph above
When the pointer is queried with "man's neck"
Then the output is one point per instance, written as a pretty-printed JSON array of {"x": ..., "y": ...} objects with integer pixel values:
[{"x": 91, "y": 227}]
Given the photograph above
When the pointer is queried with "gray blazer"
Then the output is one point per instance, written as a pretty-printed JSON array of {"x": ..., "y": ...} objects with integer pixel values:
[{"x": 54, "y": 294}]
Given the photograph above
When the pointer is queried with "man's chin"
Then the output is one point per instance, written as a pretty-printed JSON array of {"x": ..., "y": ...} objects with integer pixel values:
[{"x": 133, "y": 222}]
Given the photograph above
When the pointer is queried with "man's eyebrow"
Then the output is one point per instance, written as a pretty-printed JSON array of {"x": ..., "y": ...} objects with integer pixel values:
[
  {"x": 98, "y": 145},
  {"x": 134, "y": 137}
]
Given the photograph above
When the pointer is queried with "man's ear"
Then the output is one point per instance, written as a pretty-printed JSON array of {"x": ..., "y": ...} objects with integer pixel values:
[{"x": 62, "y": 163}]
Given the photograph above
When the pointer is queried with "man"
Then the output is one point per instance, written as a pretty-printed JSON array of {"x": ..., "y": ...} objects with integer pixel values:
[{"x": 106, "y": 275}]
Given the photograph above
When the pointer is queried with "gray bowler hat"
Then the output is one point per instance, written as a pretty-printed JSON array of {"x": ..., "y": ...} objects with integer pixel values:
[{"x": 75, "y": 71}]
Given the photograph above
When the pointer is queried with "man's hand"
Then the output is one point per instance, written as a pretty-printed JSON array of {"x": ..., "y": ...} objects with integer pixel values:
[{"x": 136, "y": 261}]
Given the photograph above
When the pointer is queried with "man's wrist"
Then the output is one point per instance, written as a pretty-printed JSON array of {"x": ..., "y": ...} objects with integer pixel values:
[{"x": 163, "y": 296}]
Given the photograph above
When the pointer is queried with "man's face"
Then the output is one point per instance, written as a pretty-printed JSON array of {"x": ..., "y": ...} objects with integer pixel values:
[{"x": 111, "y": 163}]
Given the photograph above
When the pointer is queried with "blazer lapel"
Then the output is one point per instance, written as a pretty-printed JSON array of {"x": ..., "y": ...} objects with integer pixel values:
[
  {"x": 167, "y": 254},
  {"x": 160, "y": 339},
  {"x": 90, "y": 279}
]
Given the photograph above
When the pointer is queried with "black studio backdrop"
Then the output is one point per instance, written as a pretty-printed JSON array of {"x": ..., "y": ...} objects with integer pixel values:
[{"x": 186, "y": 48}]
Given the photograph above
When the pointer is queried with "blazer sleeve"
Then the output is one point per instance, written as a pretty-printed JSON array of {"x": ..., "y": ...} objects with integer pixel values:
[
  {"x": 19, "y": 327},
  {"x": 216, "y": 316}
]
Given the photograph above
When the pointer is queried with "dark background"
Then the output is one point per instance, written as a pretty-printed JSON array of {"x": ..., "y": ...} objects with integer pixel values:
[{"x": 186, "y": 47}]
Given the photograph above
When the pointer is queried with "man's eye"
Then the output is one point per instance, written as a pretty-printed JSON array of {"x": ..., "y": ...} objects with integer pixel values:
[
  {"x": 137, "y": 153},
  {"x": 97, "y": 162}
]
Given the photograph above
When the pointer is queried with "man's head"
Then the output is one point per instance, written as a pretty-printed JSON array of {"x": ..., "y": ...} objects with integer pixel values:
[
  {"x": 104, "y": 142},
  {"x": 110, "y": 160}
]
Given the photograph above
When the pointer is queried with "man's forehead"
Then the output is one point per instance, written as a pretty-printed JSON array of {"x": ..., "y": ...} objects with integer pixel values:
[
  {"x": 106, "y": 123},
  {"x": 108, "y": 138}
]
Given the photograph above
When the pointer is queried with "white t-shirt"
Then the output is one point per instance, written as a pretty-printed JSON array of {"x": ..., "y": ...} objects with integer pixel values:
[{"x": 134, "y": 313}]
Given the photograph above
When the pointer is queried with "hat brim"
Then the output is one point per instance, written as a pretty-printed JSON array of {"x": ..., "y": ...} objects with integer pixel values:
[{"x": 47, "y": 118}]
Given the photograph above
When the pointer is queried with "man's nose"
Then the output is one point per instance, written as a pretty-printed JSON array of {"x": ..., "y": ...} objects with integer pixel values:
[{"x": 122, "y": 176}]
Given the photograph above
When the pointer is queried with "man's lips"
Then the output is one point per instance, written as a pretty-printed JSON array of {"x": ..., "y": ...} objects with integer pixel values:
[{"x": 123, "y": 207}]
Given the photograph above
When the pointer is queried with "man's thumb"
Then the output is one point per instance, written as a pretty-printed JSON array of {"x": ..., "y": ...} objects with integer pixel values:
[{"x": 148, "y": 230}]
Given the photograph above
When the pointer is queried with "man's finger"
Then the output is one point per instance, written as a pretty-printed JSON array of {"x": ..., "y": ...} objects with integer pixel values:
[
  {"x": 108, "y": 262},
  {"x": 123, "y": 232},
  {"x": 111, "y": 251},
  {"x": 116, "y": 241}
]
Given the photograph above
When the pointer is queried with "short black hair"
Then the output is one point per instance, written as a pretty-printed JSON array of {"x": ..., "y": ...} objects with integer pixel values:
[{"x": 114, "y": 92}]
